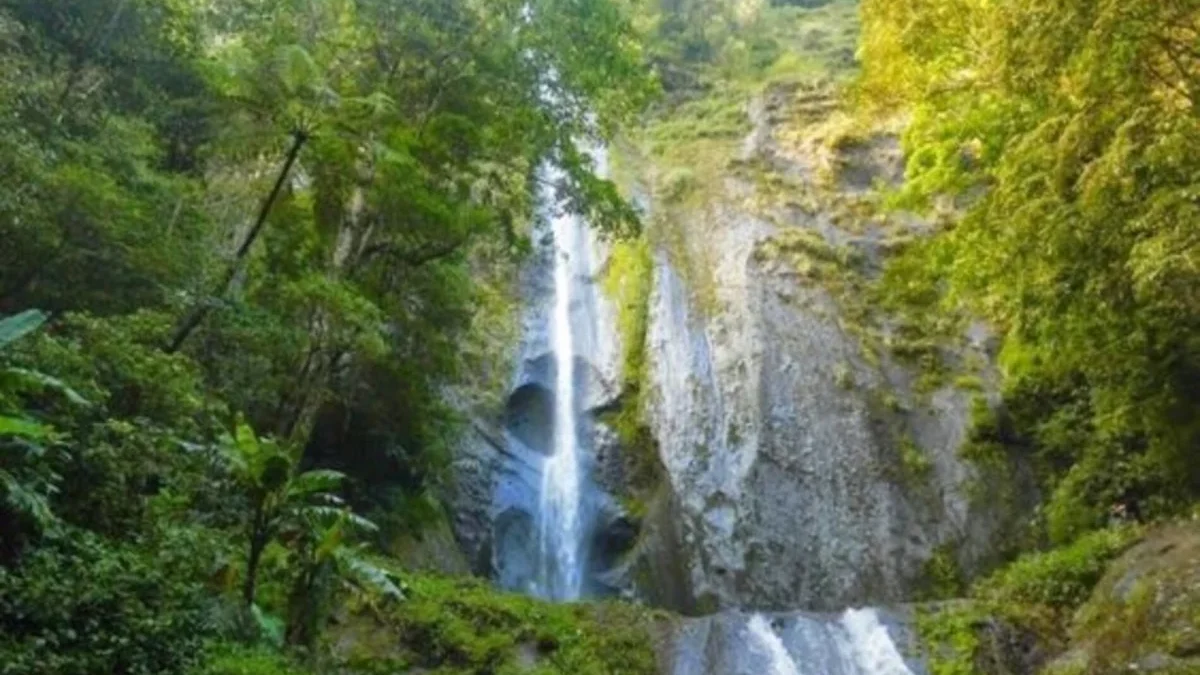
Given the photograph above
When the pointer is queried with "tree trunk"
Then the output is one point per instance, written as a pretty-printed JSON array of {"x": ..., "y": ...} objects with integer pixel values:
[
  {"x": 258, "y": 542},
  {"x": 197, "y": 316}
]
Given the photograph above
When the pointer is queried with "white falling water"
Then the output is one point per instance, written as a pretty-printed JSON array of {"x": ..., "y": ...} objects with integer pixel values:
[
  {"x": 874, "y": 650},
  {"x": 766, "y": 641},
  {"x": 560, "y": 531},
  {"x": 857, "y": 643}
]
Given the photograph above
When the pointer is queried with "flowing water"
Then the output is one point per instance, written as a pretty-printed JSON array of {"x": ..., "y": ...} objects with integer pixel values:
[
  {"x": 561, "y": 521},
  {"x": 857, "y": 642},
  {"x": 561, "y": 497},
  {"x": 763, "y": 638}
]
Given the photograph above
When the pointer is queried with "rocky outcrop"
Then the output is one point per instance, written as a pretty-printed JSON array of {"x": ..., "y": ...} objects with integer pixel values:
[
  {"x": 802, "y": 470},
  {"x": 801, "y": 466},
  {"x": 1144, "y": 616}
]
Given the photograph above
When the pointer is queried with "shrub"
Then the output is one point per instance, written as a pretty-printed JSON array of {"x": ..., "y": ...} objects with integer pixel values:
[
  {"x": 80, "y": 606},
  {"x": 234, "y": 659},
  {"x": 1061, "y": 578}
]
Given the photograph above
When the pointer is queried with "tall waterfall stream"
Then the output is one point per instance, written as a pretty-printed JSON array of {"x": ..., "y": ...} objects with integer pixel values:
[
  {"x": 560, "y": 531},
  {"x": 732, "y": 643}
]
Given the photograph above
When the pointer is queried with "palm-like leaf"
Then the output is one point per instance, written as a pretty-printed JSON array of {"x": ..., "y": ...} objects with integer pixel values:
[
  {"x": 315, "y": 482},
  {"x": 27, "y": 500},
  {"x": 15, "y": 327},
  {"x": 35, "y": 379},
  {"x": 21, "y": 427},
  {"x": 360, "y": 571}
]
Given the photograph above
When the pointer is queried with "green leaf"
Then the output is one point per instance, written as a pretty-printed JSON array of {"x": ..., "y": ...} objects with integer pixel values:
[
  {"x": 45, "y": 381},
  {"x": 297, "y": 69},
  {"x": 367, "y": 575},
  {"x": 27, "y": 501},
  {"x": 15, "y": 327},
  {"x": 316, "y": 481},
  {"x": 23, "y": 428},
  {"x": 270, "y": 627}
]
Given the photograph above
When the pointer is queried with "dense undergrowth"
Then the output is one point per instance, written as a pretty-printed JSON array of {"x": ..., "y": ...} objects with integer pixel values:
[
  {"x": 256, "y": 259},
  {"x": 1053, "y": 145}
]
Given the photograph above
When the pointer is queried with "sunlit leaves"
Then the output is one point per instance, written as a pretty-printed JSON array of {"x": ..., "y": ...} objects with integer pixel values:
[{"x": 1062, "y": 128}]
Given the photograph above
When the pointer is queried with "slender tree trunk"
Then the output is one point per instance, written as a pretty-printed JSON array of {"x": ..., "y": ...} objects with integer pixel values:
[
  {"x": 258, "y": 542},
  {"x": 198, "y": 314}
]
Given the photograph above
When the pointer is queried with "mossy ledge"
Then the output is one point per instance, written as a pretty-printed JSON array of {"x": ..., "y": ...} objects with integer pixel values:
[{"x": 455, "y": 626}]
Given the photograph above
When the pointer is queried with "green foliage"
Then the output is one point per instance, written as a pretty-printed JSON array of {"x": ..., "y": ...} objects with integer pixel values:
[
  {"x": 337, "y": 192},
  {"x": 952, "y": 632},
  {"x": 1061, "y": 578},
  {"x": 463, "y": 626},
  {"x": 943, "y": 576},
  {"x": 1038, "y": 593},
  {"x": 1054, "y": 131},
  {"x": 79, "y": 605},
  {"x": 235, "y": 659},
  {"x": 628, "y": 283}
]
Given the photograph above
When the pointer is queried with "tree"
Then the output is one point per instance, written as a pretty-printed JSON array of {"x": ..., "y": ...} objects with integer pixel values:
[
  {"x": 1064, "y": 124},
  {"x": 279, "y": 496},
  {"x": 323, "y": 557}
]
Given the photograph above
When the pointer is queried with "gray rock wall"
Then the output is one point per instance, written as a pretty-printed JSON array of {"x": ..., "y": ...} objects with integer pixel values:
[
  {"x": 785, "y": 481},
  {"x": 785, "y": 473}
]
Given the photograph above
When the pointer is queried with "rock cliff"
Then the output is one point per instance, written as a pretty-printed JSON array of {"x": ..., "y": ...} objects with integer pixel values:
[{"x": 803, "y": 468}]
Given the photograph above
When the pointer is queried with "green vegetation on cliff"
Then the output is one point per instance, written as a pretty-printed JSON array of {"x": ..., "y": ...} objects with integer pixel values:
[
  {"x": 1047, "y": 142},
  {"x": 246, "y": 249},
  {"x": 628, "y": 282},
  {"x": 1054, "y": 133}
]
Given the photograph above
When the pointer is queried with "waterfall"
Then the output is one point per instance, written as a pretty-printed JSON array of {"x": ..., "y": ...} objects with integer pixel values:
[
  {"x": 778, "y": 659},
  {"x": 856, "y": 642},
  {"x": 561, "y": 523},
  {"x": 873, "y": 648}
]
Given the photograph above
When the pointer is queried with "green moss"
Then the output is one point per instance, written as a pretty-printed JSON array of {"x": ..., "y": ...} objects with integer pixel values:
[
  {"x": 969, "y": 383},
  {"x": 892, "y": 403},
  {"x": 459, "y": 626},
  {"x": 914, "y": 460},
  {"x": 943, "y": 578},
  {"x": 843, "y": 376},
  {"x": 628, "y": 282},
  {"x": 951, "y": 636}
]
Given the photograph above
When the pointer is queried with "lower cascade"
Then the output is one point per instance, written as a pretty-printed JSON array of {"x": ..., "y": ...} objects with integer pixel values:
[
  {"x": 858, "y": 642},
  {"x": 761, "y": 634}
]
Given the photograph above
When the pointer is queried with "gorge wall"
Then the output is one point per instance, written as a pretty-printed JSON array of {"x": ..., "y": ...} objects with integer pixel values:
[{"x": 807, "y": 457}]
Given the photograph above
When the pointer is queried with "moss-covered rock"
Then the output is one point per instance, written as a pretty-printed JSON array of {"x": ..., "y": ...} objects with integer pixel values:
[
  {"x": 463, "y": 626},
  {"x": 1144, "y": 615},
  {"x": 1114, "y": 601}
]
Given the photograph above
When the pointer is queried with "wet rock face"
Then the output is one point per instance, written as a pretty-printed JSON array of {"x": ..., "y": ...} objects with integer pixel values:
[
  {"x": 781, "y": 479},
  {"x": 786, "y": 475},
  {"x": 497, "y": 463},
  {"x": 530, "y": 417}
]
